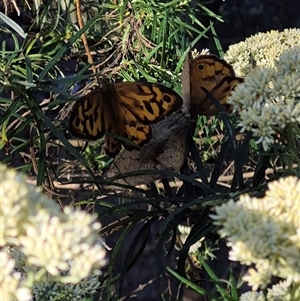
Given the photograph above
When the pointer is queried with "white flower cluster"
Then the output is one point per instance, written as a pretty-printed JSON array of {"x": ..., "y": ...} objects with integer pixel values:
[
  {"x": 45, "y": 242},
  {"x": 278, "y": 292},
  {"x": 265, "y": 232},
  {"x": 268, "y": 102},
  {"x": 261, "y": 50},
  {"x": 252, "y": 296},
  {"x": 20, "y": 203},
  {"x": 10, "y": 280}
]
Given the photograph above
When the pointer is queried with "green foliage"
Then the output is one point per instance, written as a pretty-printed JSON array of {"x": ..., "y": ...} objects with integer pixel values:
[{"x": 227, "y": 291}]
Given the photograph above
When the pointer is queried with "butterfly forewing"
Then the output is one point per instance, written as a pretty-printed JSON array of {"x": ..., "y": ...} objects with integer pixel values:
[
  {"x": 149, "y": 103},
  {"x": 220, "y": 68},
  {"x": 221, "y": 93},
  {"x": 215, "y": 75},
  {"x": 138, "y": 133}
]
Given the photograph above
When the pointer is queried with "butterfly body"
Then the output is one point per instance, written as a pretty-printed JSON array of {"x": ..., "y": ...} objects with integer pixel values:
[
  {"x": 216, "y": 76},
  {"x": 123, "y": 111}
]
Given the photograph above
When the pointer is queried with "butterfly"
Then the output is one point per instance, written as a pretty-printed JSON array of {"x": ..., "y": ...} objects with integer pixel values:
[
  {"x": 122, "y": 112},
  {"x": 215, "y": 75}
]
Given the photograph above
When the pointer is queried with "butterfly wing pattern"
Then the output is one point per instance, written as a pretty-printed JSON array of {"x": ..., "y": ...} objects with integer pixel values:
[
  {"x": 123, "y": 112},
  {"x": 217, "y": 77}
]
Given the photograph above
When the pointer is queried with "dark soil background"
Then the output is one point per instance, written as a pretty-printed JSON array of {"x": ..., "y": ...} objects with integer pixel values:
[{"x": 248, "y": 17}]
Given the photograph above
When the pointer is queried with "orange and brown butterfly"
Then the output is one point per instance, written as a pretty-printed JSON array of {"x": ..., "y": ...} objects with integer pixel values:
[
  {"x": 125, "y": 110},
  {"x": 213, "y": 74}
]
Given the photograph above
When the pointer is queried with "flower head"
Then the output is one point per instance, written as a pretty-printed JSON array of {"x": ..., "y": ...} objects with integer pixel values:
[
  {"x": 47, "y": 247},
  {"x": 261, "y": 50},
  {"x": 268, "y": 102},
  {"x": 278, "y": 292},
  {"x": 19, "y": 203},
  {"x": 10, "y": 280},
  {"x": 265, "y": 232}
]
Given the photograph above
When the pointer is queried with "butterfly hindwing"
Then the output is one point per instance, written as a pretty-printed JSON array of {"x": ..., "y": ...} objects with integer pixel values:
[
  {"x": 87, "y": 120},
  {"x": 138, "y": 133},
  {"x": 112, "y": 145}
]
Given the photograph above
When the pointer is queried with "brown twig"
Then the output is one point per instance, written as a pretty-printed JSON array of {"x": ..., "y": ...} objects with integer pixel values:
[{"x": 84, "y": 40}]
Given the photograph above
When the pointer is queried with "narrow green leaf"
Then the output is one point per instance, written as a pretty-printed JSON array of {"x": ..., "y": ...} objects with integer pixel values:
[
  {"x": 66, "y": 47},
  {"x": 16, "y": 27}
]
